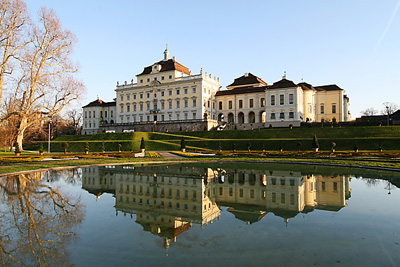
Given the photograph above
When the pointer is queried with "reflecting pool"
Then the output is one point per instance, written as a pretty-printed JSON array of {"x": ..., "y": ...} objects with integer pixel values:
[{"x": 202, "y": 214}]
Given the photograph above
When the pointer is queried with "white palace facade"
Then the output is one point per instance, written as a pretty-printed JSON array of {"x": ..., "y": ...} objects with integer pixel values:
[{"x": 168, "y": 97}]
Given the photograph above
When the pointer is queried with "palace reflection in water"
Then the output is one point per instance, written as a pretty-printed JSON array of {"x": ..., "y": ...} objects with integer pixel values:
[{"x": 168, "y": 200}]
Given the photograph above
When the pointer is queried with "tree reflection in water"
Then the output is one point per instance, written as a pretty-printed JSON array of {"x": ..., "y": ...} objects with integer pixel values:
[{"x": 37, "y": 222}]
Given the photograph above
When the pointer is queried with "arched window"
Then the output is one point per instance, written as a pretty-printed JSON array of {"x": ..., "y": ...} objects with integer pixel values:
[
  {"x": 252, "y": 117},
  {"x": 231, "y": 118},
  {"x": 241, "y": 117}
]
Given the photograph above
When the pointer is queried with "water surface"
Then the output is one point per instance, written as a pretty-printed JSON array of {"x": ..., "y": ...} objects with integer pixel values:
[{"x": 203, "y": 214}]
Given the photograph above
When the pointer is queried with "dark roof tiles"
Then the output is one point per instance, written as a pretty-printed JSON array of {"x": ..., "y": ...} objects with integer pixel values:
[
  {"x": 242, "y": 90},
  {"x": 166, "y": 65},
  {"x": 247, "y": 79},
  {"x": 284, "y": 83},
  {"x": 99, "y": 102},
  {"x": 330, "y": 87}
]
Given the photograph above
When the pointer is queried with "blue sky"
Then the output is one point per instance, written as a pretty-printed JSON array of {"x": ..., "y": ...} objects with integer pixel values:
[{"x": 352, "y": 43}]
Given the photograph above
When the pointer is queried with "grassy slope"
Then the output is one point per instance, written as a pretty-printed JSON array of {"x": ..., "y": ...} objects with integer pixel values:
[{"x": 367, "y": 138}]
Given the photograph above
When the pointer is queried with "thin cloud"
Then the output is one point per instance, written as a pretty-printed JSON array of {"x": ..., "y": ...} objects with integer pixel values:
[{"x": 387, "y": 28}]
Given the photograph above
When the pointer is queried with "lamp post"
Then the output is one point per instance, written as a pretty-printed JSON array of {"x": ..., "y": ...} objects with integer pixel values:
[
  {"x": 387, "y": 111},
  {"x": 48, "y": 146}
]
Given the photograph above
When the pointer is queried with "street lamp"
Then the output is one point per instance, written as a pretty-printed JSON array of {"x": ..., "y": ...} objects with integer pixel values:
[
  {"x": 48, "y": 146},
  {"x": 387, "y": 111}
]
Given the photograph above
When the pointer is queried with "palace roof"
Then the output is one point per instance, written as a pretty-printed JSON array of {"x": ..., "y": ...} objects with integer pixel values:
[
  {"x": 284, "y": 83},
  {"x": 99, "y": 102},
  {"x": 330, "y": 87},
  {"x": 247, "y": 79},
  {"x": 166, "y": 65},
  {"x": 242, "y": 90}
]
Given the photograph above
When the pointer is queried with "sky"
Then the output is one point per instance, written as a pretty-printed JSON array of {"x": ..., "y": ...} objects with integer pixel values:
[{"x": 352, "y": 43}]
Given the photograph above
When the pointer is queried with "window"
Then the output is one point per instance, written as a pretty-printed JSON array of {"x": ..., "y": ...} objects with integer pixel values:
[
  {"x": 170, "y": 104},
  {"x": 85, "y": 114},
  {"x": 178, "y": 103},
  {"x": 128, "y": 108},
  {"x": 186, "y": 116},
  {"x": 230, "y": 104},
  {"x": 134, "y": 106},
  {"x": 112, "y": 113},
  {"x": 322, "y": 109},
  {"x": 282, "y": 115},
  {"x": 273, "y": 116},
  {"x": 193, "y": 90},
  {"x": 262, "y": 102},
  {"x": 291, "y": 199},
  {"x": 335, "y": 186},
  {"x": 162, "y": 105},
  {"x": 220, "y": 105},
  {"x": 185, "y": 91},
  {"x": 122, "y": 109},
  {"x": 128, "y": 97},
  {"x": 283, "y": 199},
  {"x": 162, "y": 93},
  {"x": 194, "y": 115},
  {"x": 251, "y": 103},
  {"x": 230, "y": 192},
  {"x": 141, "y": 80},
  {"x": 273, "y": 181},
  {"x": 141, "y": 95},
  {"x": 105, "y": 114},
  {"x": 283, "y": 182},
  {"x": 205, "y": 90},
  {"x": 291, "y": 115},
  {"x": 148, "y": 79},
  {"x": 155, "y": 78},
  {"x": 162, "y": 78},
  {"x": 323, "y": 186},
  {"x": 240, "y": 103},
  {"x": 178, "y": 91},
  {"x": 281, "y": 99},
  {"x": 178, "y": 116},
  {"x": 333, "y": 108},
  {"x": 170, "y": 77},
  {"x": 169, "y": 92},
  {"x": 122, "y": 97},
  {"x": 134, "y": 96},
  {"x": 252, "y": 193},
  {"x": 274, "y": 197},
  {"x": 272, "y": 100},
  {"x": 186, "y": 103},
  {"x": 194, "y": 102},
  {"x": 141, "y": 106},
  {"x": 291, "y": 181},
  {"x": 148, "y": 95},
  {"x": 290, "y": 98},
  {"x": 148, "y": 105}
]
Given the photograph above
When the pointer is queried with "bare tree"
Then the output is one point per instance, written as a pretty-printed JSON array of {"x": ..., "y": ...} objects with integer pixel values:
[
  {"x": 13, "y": 19},
  {"x": 47, "y": 82},
  {"x": 74, "y": 121},
  {"x": 369, "y": 112},
  {"x": 389, "y": 108}
]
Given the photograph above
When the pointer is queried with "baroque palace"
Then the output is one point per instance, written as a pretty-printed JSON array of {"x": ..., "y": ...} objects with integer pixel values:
[{"x": 168, "y": 97}]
